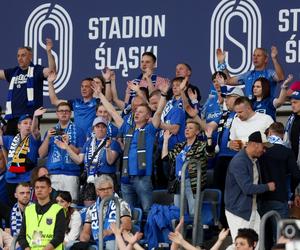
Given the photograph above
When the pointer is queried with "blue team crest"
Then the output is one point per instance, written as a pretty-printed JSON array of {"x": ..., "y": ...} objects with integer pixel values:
[{"x": 49, "y": 221}]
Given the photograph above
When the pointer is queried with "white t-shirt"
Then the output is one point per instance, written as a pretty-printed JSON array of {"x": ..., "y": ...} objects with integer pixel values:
[{"x": 240, "y": 130}]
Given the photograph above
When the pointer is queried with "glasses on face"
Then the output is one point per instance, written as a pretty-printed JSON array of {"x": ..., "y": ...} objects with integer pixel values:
[
  {"x": 63, "y": 111},
  {"x": 104, "y": 189}
]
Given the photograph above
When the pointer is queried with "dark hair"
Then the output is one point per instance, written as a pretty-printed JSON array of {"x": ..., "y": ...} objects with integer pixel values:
[
  {"x": 43, "y": 179},
  {"x": 34, "y": 174},
  {"x": 89, "y": 193},
  {"x": 66, "y": 196},
  {"x": 177, "y": 79},
  {"x": 101, "y": 78},
  {"x": 149, "y": 53},
  {"x": 277, "y": 127},
  {"x": 242, "y": 99},
  {"x": 145, "y": 92},
  {"x": 265, "y": 87},
  {"x": 63, "y": 104},
  {"x": 249, "y": 234},
  {"x": 214, "y": 75},
  {"x": 87, "y": 79}
]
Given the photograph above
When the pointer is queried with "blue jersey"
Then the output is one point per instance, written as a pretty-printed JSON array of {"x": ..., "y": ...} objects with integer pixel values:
[
  {"x": 59, "y": 160},
  {"x": 84, "y": 112},
  {"x": 176, "y": 116},
  {"x": 150, "y": 133},
  {"x": 19, "y": 97},
  {"x": 102, "y": 167},
  {"x": 265, "y": 106},
  {"x": 211, "y": 110},
  {"x": 249, "y": 78},
  {"x": 32, "y": 155}
]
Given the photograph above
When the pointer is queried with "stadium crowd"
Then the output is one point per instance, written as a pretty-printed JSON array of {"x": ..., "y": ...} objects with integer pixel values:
[{"x": 127, "y": 148}]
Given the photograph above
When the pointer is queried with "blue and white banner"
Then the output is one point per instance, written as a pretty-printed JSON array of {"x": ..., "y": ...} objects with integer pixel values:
[{"x": 90, "y": 35}]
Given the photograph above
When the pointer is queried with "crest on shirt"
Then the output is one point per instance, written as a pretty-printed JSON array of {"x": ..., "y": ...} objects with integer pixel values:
[{"x": 49, "y": 221}]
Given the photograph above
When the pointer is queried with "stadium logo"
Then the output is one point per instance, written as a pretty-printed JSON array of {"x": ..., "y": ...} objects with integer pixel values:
[
  {"x": 59, "y": 19},
  {"x": 224, "y": 16}
]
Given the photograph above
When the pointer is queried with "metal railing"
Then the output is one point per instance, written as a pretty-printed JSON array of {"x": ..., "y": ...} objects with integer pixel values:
[
  {"x": 269, "y": 215},
  {"x": 197, "y": 235},
  {"x": 101, "y": 219}
]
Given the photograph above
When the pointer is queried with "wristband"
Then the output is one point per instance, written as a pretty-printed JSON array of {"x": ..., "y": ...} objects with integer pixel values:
[
  {"x": 163, "y": 94},
  {"x": 208, "y": 138},
  {"x": 222, "y": 66},
  {"x": 107, "y": 82}
]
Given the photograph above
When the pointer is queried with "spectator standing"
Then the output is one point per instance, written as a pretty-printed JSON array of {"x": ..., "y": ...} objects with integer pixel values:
[
  {"x": 23, "y": 199},
  {"x": 22, "y": 152},
  {"x": 260, "y": 60},
  {"x": 64, "y": 172},
  {"x": 243, "y": 184},
  {"x": 25, "y": 92},
  {"x": 44, "y": 223}
]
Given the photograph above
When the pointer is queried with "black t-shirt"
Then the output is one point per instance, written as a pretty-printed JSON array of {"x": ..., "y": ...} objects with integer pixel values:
[{"x": 295, "y": 133}]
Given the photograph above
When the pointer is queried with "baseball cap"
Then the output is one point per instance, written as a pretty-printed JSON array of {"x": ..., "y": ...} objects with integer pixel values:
[
  {"x": 23, "y": 117},
  {"x": 295, "y": 95},
  {"x": 259, "y": 137},
  {"x": 98, "y": 120},
  {"x": 233, "y": 91}
]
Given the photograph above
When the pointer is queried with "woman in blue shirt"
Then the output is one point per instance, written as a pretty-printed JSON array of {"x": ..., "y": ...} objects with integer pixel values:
[{"x": 263, "y": 102}]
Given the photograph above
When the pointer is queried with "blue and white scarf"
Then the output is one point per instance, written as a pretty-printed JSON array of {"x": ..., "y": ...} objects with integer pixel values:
[
  {"x": 274, "y": 139},
  {"x": 70, "y": 130},
  {"x": 16, "y": 218},
  {"x": 110, "y": 216},
  {"x": 170, "y": 104},
  {"x": 96, "y": 163},
  {"x": 30, "y": 90}
]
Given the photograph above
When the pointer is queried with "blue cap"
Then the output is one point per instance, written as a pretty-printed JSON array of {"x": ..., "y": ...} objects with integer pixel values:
[
  {"x": 23, "y": 117},
  {"x": 295, "y": 95}
]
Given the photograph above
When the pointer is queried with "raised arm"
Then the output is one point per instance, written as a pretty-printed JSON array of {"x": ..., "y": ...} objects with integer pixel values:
[
  {"x": 53, "y": 97},
  {"x": 162, "y": 102},
  {"x": 192, "y": 112},
  {"x": 283, "y": 92},
  {"x": 35, "y": 123},
  {"x": 107, "y": 75},
  {"x": 221, "y": 56},
  {"x": 110, "y": 108},
  {"x": 278, "y": 69},
  {"x": 120, "y": 104},
  {"x": 147, "y": 77},
  {"x": 164, "y": 151},
  {"x": 111, "y": 155},
  {"x": 2, "y": 75},
  {"x": 51, "y": 60}
]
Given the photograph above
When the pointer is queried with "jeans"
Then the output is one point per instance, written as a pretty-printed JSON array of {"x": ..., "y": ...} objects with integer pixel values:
[
  {"x": 189, "y": 197},
  {"x": 138, "y": 192},
  {"x": 278, "y": 206}
]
